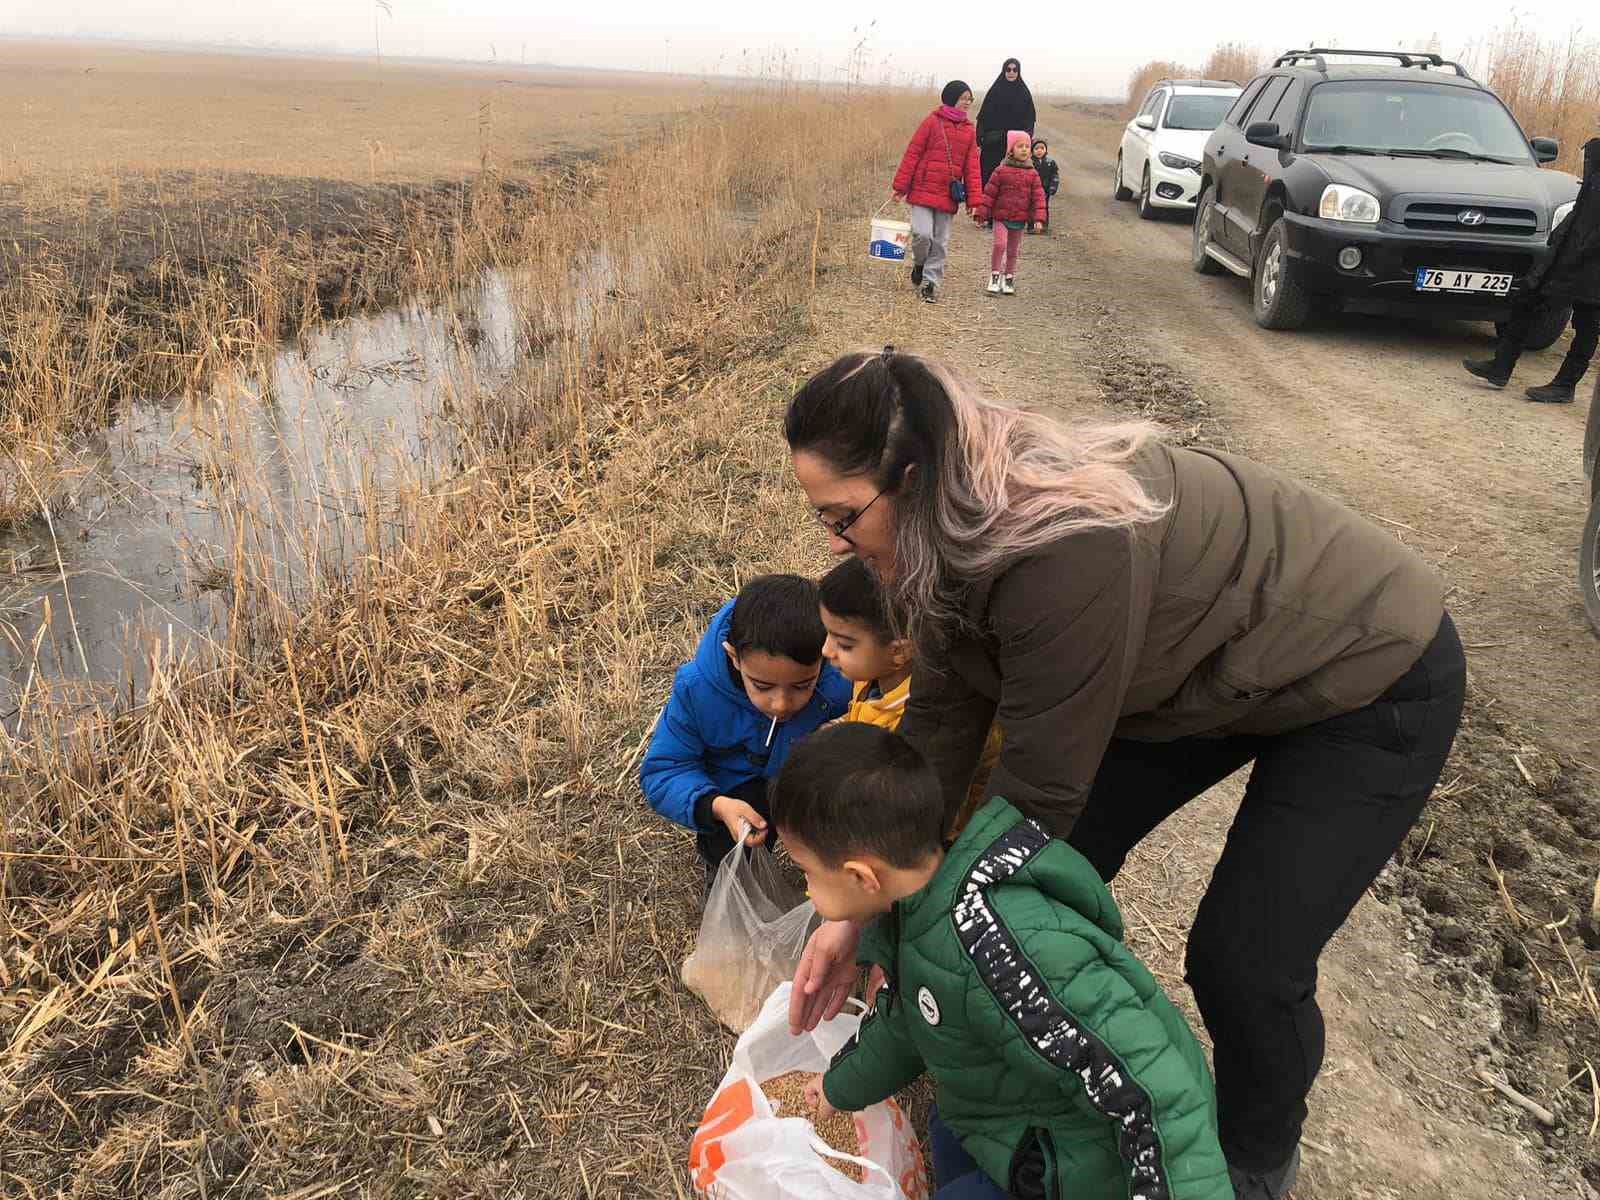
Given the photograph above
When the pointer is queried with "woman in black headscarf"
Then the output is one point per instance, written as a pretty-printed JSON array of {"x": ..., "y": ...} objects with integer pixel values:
[{"x": 1007, "y": 105}]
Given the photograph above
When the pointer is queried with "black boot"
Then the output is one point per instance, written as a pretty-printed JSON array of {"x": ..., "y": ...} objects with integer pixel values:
[
  {"x": 916, "y": 275},
  {"x": 1564, "y": 386},
  {"x": 1491, "y": 370},
  {"x": 1552, "y": 393},
  {"x": 1266, "y": 1185}
]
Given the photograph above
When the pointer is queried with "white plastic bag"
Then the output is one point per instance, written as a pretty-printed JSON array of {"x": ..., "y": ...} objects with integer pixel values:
[
  {"x": 744, "y": 1151},
  {"x": 751, "y": 938}
]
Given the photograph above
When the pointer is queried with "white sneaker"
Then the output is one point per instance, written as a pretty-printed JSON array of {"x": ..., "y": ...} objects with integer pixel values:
[
  {"x": 994, "y": 283},
  {"x": 1009, "y": 287}
]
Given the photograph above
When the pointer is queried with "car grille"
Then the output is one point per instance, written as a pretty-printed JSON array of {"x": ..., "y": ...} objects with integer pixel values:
[
  {"x": 1452, "y": 258},
  {"x": 1440, "y": 215}
]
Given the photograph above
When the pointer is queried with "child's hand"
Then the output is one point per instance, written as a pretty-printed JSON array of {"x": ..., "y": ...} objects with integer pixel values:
[
  {"x": 875, "y": 981},
  {"x": 1037, "y": 226},
  {"x": 816, "y": 1101},
  {"x": 735, "y": 814},
  {"x": 899, "y": 197}
]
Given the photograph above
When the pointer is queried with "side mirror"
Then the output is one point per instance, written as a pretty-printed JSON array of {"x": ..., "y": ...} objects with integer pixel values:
[
  {"x": 1145, "y": 121},
  {"x": 1546, "y": 149},
  {"x": 1265, "y": 133}
]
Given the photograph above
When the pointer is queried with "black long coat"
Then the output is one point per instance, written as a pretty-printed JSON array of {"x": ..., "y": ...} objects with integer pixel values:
[
  {"x": 1007, "y": 105},
  {"x": 1572, "y": 273}
]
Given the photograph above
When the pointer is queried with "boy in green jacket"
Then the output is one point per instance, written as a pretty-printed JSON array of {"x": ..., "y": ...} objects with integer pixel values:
[{"x": 1061, "y": 1067}]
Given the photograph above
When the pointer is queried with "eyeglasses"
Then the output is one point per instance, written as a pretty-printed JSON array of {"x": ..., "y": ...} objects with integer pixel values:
[
  {"x": 837, "y": 528},
  {"x": 1013, "y": 70}
]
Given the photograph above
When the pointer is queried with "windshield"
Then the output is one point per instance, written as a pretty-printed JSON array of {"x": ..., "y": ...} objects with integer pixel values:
[
  {"x": 1412, "y": 118},
  {"x": 1199, "y": 112}
]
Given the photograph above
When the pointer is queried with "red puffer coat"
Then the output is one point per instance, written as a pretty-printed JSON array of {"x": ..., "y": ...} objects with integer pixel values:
[
  {"x": 1013, "y": 194},
  {"x": 926, "y": 171}
]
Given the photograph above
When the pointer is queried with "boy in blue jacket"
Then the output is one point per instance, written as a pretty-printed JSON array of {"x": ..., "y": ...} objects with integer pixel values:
[{"x": 756, "y": 685}]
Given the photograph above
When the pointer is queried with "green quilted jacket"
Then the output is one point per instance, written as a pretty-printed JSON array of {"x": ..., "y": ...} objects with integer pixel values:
[{"x": 1059, "y": 1061}]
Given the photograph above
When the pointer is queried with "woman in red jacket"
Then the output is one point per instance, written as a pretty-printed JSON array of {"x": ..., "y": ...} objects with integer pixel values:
[
  {"x": 938, "y": 173},
  {"x": 1013, "y": 199}
]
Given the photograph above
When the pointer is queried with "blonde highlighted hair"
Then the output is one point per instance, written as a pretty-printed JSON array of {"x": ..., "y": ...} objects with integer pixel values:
[{"x": 977, "y": 485}]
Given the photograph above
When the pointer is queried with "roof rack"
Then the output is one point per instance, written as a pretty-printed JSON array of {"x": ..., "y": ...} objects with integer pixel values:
[
  {"x": 1421, "y": 60},
  {"x": 1200, "y": 83}
]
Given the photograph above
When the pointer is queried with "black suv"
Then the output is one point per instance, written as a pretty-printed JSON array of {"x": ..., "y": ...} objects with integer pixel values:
[{"x": 1406, "y": 185}]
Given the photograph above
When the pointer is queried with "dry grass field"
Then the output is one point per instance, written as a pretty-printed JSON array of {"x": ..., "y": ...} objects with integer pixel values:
[{"x": 79, "y": 114}]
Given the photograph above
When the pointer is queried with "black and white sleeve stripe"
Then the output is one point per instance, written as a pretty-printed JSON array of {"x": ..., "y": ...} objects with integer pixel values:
[{"x": 1050, "y": 1029}]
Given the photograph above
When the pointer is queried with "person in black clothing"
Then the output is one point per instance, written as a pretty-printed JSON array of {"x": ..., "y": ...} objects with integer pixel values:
[
  {"x": 1571, "y": 276},
  {"x": 1007, "y": 105},
  {"x": 1049, "y": 176}
]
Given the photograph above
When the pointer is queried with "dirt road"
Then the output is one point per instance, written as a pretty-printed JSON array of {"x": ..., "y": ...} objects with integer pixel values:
[
  {"x": 1422, "y": 986},
  {"x": 1378, "y": 411}
]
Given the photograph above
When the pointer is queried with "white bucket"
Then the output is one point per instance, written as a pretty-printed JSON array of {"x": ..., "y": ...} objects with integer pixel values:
[{"x": 890, "y": 240}]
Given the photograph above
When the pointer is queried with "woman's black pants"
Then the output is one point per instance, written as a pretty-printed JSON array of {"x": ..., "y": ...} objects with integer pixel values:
[{"x": 1325, "y": 808}]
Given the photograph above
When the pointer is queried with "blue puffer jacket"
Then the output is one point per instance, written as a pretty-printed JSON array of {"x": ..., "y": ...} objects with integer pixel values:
[{"x": 710, "y": 738}]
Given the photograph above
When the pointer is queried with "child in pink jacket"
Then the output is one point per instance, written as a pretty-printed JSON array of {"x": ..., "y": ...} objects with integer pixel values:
[{"x": 1014, "y": 199}]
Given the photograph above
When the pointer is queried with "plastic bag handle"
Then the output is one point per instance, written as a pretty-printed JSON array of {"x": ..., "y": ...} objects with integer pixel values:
[{"x": 823, "y": 1150}]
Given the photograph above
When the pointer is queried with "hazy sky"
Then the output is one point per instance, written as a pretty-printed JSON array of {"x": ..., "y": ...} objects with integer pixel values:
[{"x": 1060, "y": 45}]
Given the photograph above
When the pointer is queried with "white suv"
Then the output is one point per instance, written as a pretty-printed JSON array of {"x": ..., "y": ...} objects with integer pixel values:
[{"x": 1164, "y": 143}]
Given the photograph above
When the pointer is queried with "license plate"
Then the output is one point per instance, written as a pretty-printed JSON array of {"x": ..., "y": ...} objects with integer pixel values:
[{"x": 1442, "y": 279}]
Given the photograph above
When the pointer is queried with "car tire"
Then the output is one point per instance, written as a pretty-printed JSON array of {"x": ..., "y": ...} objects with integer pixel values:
[
  {"x": 1119, "y": 191},
  {"x": 1589, "y": 563},
  {"x": 1279, "y": 299},
  {"x": 1591, "y": 444},
  {"x": 1546, "y": 331},
  {"x": 1147, "y": 211},
  {"x": 1201, "y": 262}
]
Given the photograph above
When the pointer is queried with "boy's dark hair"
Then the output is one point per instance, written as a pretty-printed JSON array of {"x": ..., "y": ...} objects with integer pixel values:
[
  {"x": 777, "y": 614},
  {"x": 854, "y": 789},
  {"x": 852, "y": 592}
]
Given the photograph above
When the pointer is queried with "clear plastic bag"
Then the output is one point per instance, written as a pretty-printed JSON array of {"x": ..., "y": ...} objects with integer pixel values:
[
  {"x": 743, "y": 1150},
  {"x": 751, "y": 938}
]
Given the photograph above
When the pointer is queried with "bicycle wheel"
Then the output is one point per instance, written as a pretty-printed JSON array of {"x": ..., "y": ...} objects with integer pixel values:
[{"x": 1589, "y": 565}]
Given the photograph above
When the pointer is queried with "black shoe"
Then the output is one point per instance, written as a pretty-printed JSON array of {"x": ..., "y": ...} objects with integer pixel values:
[
  {"x": 1552, "y": 393},
  {"x": 1266, "y": 1185},
  {"x": 1489, "y": 370},
  {"x": 927, "y": 294},
  {"x": 916, "y": 274}
]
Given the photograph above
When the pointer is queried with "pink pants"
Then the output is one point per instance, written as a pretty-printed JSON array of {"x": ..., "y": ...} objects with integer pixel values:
[{"x": 1007, "y": 246}]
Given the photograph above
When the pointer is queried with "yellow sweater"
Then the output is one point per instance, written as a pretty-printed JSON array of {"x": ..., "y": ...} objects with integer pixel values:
[{"x": 885, "y": 712}]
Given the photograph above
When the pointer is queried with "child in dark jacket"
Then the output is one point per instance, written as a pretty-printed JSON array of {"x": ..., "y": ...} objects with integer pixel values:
[
  {"x": 1049, "y": 175},
  {"x": 756, "y": 685},
  {"x": 1061, "y": 1067},
  {"x": 1013, "y": 200}
]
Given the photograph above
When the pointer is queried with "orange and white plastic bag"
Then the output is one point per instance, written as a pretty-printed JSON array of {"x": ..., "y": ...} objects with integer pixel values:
[{"x": 745, "y": 1151}]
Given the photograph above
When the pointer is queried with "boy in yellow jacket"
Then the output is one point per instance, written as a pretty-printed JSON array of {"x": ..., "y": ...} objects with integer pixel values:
[{"x": 862, "y": 647}]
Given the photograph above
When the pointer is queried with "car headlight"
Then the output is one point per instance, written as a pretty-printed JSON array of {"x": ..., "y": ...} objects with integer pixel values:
[
  {"x": 1562, "y": 213},
  {"x": 1178, "y": 162},
  {"x": 1343, "y": 203}
]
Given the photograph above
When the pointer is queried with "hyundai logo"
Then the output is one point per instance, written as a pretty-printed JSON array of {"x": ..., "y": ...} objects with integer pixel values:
[{"x": 1472, "y": 216}]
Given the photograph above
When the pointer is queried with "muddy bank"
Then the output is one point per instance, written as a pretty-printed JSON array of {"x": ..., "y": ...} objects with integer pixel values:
[{"x": 148, "y": 283}]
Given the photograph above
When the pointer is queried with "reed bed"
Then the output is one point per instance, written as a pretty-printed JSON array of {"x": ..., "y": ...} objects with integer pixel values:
[
  {"x": 1552, "y": 84},
  {"x": 374, "y": 910}
]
